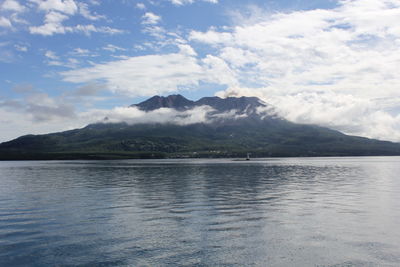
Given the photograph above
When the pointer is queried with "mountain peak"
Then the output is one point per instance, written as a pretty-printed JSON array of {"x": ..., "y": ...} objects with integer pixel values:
[
  {"x": 177, "y": 102},
  {"x": 181, "y": 103}
]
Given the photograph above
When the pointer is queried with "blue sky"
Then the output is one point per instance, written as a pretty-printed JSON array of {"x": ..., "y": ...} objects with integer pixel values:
[{"x": 67, "y": 63}]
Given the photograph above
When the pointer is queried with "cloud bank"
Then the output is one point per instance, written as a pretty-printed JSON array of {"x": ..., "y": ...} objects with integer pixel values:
[
  {"x": 329, "y": 67},
  {"x": 48, "y": 115}
]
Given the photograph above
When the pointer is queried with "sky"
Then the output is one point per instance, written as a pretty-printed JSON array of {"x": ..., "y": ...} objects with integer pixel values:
[{"x": 67, "y": 63}]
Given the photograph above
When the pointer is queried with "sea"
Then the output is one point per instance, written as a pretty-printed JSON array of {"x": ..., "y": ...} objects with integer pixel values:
[{"x": 201, "y": 212}]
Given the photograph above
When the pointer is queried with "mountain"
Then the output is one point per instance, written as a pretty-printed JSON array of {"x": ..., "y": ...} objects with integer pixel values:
[{"x": 232, "y": 127}]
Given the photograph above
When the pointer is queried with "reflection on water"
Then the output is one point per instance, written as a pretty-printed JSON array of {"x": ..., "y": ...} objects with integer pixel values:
[{"x": 275, "y": 212}]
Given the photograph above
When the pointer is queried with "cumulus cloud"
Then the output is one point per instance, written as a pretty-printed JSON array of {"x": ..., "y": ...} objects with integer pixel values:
[
  {"x": 5, "y": 22},
  {"x": 317, "y": 49},
  {"x": 51, "y": 55},
  {"x": 198, "y": 114},
  {"x": 113, "y": 48},
  {"x": 88, "y": 29},
  {"x": 85, "y": 12},
  {"x": 65, "y": 6},
  {"x": 21, "y": 48},
  {"x": 185, "y": 2},
  {"x": 58, "y": 11},
  {"x": 14, "y": 124},
  {"x": 348, "y": 55},
  {"x": 12, "y": 5},
  {"x": 150, "y": 18},
  {"x": 35, "y": 112},
  {"x": 52, "y": 25},
  {"x": 352, "y": 115},
  {"x": 156, "y": 32},
  {"x": 10, "y": 14},
  {"x": 151, "y": 74},
  {"x": 132, "y": 115},
  {"x": 52, "y": 28},
  {"x": 81, "y": 52}
]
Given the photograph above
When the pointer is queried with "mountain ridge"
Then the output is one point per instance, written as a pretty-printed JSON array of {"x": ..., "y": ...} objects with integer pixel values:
[
  {"x": 243, "y": 126},
  {"x": 181, "y": 103}
]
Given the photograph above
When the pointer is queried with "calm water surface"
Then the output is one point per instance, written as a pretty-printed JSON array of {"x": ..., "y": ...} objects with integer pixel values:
[{"x": 272, "y": 212}]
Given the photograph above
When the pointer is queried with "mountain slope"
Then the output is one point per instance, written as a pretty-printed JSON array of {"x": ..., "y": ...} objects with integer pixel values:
[
  {"x": 248, "y": 128},
  {"x": 177, "y": 102}
]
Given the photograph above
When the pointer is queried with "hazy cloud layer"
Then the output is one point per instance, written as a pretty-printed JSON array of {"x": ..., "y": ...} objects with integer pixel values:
[
  {"x": 185, "y": 2},
  {"x": 57, "y": 12},
  {"x": 50, "y": 114},
  {"x": 132, "y": 115},
  {"x": 39, "y": 107},
  {"x": 150, "y": 18}
]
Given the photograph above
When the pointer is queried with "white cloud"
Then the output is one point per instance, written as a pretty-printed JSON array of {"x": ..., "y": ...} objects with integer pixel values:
[
  {"x": 150, "y": 18},
  {"x": 352, "y": 115},
  {"x": 54, "y": 60},
  {"x": 58, "y": 11},
  {"x": 88, "y": 29},
  {"x": 155, "y": 31},
  {"x": 155, "y": 74},
  {"x": 51, "y": 55},
  {"x": 132, "y": 115},
  {"x": 144, "y": 75},
  {"x": 315, "y": 49},
  {"x": 12, "y": 5},
  {"x": 39, "y": 113},
  {"x": 52, "y": 25},
  {"x": 350, "y": 52},
  {"x": 14, "y": 17},
  {"x": 187, "y": 50},
  {"x": 4, "y": 22},
  {"x": 81, "y": 52},
  {"x": 185, "y": 2},
  {"x": 219, "y": 71},
  {"x": 140, "y": 6},
  {"x": 15, "y": 124},
  {"x": 211, "y": 37},
  {"x": 65, "y": 6},
  {"x": 21, "y": 48},
  {"x": 85, "y": 12},
  {"x": 113, "y": 48},
  {"x": 68, "y": 63},
  {"x": 40, "y": 107},
  {"x": 198, "y": 114}
]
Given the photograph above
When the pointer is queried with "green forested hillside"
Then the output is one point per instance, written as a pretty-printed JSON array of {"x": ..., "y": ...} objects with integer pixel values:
[{"x": 233, "y": 138}]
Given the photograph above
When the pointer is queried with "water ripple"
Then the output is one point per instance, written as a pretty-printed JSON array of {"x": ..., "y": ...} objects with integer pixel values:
[{"x": 272, "y": 212}]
